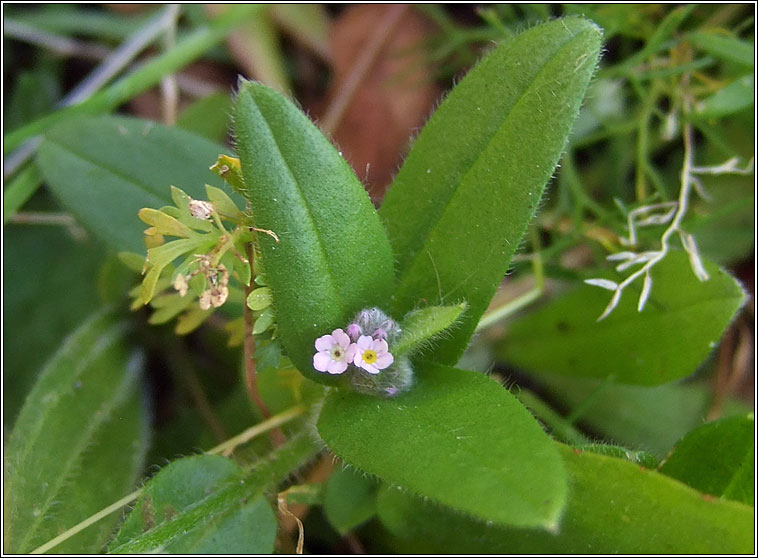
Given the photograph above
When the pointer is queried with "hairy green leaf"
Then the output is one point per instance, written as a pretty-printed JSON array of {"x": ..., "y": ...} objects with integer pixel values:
[
  {"x": 333, "y": 257},
  {"x": 105, "y": 169},
  {"x": 681, "y": 323},
  {"x": 725, "y": 47},
  {"x": 718, "y": 458},
  {"x": 421, "y": 327},
  {"x": 461, "y": 202},
  {"x": 614, "y": 507},
  {"x": 738, "y": 95},
  {"x": 458, "y": 438},
  {"x": 207, "y": 504},
  {"x": 79, "y": 441}
]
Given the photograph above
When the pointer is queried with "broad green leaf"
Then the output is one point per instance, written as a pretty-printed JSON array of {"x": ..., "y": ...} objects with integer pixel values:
[
  {"x": 644, "y": 418},
  {"x": 681, "y": 323},
  {"x": 350, "y": 499},
  {"x": 105, "y": 169},
  {"x": 39, "y": 307},
  {"x": 718, "y": 458},
  {"x": 458, "y": 438},
  {"x": 34, "y": 94},
  {"x": 462, "y": 200},
  {"x": 615, "y": 507},
  {"x": 420, "y": 327},
  {"x": 245, "y": 526},
  {"x": 79, "y": 441},
  {"x": 725, "y": 47},
  {"x": 333, "y": 257},
  {"x": 738, "y": 95},
  {"x": 206, "y": 504}
]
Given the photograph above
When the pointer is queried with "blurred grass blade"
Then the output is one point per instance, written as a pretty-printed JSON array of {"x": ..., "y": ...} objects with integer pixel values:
[
  {"x": 79, "y": 441},
  {"x": 738, "y": 95},
  {"x": 725, "y": 47},
  {"x": 141, "y": 79},
  {"x": 20, "y": 189}
]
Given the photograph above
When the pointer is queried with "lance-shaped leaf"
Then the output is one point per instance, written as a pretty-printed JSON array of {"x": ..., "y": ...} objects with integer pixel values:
[
  {"x": 422, "y": 326},
  {"x": 79, "y": 441},
  {"x": 460, "y": 204},
  {"x": 614, "y": 507},
  {"x": 105, "y": 169},
  {"x": 458, "y": 438},
  {"x": 333, "y": 257}
]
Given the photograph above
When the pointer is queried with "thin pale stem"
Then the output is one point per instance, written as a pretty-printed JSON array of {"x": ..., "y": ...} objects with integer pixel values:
[
  {"x": 169, "y": 87},
  {"x": 57, "y": 44},
  {"x": 271, "y": 424}
]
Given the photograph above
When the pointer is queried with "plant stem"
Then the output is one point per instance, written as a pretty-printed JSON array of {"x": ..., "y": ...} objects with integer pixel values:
[
  {"x": 251, "y": 377},
  {"x": 141, "y": 79}
]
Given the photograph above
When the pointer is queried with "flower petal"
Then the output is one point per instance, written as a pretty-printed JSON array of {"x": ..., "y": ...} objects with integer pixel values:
[
  {"x": 324, "y": 343},
  {"x": 380, "y": 346},
  {"x": 350, "y": 353},
  {"x": 321, "y": 361},
  {"x": 337, "y": 367},
  {"x": 370, "y": 368},
  {"x": 341, "y": 338},
  {"x": 364, "y": 342},
  {"x": 384, "y": 360}
]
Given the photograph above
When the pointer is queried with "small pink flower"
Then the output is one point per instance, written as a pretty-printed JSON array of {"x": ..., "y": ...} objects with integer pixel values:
[
  {"x": 335, "y": 352},
  {"x": 372, "y": 354}
]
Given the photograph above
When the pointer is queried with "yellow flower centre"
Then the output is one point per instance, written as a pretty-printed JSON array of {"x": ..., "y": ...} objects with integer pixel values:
[{"x": 369, "y": 356}]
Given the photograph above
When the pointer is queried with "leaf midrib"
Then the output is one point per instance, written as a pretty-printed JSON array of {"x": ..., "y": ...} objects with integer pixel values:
[{"x": 108, "y": 168}]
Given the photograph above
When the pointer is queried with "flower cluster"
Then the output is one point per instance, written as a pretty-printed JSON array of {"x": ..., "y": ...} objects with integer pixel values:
[{"x": 363, "y": 351}]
